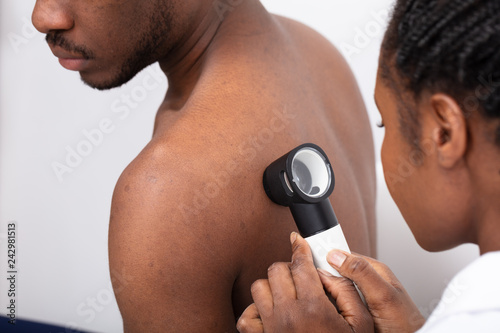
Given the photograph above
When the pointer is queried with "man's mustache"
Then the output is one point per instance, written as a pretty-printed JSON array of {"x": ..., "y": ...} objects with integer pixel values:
[{"x": 55, "y": 38}]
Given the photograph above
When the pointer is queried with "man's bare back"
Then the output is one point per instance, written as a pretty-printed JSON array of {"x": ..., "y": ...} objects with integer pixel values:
[
  {"x": 190, "y": 219},
  {"x": 191, "y": 226}
]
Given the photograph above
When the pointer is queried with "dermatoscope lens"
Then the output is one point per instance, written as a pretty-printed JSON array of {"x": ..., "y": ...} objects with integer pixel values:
[{"x": 310, "y": 172}]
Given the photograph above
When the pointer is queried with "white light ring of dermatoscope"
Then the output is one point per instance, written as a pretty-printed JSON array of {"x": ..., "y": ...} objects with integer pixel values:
[{"x": 311, "y": 173}]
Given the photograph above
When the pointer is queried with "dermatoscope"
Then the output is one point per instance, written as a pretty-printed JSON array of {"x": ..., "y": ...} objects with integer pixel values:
[{"x": 303, "y": 179}]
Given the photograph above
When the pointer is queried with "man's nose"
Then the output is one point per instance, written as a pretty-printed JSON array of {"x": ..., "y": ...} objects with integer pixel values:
[{"x": 51, "y": 15}]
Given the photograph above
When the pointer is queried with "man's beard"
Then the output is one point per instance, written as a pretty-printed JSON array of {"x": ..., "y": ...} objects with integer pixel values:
[
  {"x": 146, "y": 51},
  {"x": 140, "y": 59}
]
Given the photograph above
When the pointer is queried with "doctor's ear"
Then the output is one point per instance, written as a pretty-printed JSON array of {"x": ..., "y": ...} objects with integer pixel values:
[{"x": 450, "y": 130}]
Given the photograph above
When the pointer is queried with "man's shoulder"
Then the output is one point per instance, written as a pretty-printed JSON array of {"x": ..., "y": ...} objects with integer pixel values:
[
  {"x": 188, "y": 182},
  {"x": 163, "y": 239},
  {"x": 305, "y": 35},
  {"x": 164, "y": 170}
]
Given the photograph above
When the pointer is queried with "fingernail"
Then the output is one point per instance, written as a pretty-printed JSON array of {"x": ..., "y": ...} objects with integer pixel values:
[
  {"x": 336, "y": 258},
  {"x": 293, "y": 237},
  {"x": 325, "y": 273}
]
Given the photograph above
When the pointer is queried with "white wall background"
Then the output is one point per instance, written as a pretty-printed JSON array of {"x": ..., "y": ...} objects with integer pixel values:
[{"x": 63, "y": 223}]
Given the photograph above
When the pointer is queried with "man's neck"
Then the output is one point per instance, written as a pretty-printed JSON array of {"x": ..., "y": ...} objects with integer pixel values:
[
  {"x": 489, "y": 230},
  {"x": 184, "y": 65},
  {"x": 181, "y": 60}
]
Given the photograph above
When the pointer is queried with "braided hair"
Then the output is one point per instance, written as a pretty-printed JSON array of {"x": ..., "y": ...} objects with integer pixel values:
[{"x": 448, "y": 46}]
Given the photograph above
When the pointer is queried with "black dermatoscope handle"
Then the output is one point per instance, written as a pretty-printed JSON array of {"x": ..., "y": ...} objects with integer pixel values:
[{"x": 312, "y": 219}]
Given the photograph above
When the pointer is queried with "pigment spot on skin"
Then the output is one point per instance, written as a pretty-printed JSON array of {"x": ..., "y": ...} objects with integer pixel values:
[
  {"x": 127, "y": 188},
  {"x": 243, "y": 226}
]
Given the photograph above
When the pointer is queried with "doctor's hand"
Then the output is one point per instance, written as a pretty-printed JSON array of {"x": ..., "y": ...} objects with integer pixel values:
[
  {"x": 293, "y": 300},
  {"x": 390, "y": 305}
]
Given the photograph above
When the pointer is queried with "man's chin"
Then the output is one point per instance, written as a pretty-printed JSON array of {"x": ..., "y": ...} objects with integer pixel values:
[
  {"x": 102, "y": 84},
  {"x": 99, "y": 86}
]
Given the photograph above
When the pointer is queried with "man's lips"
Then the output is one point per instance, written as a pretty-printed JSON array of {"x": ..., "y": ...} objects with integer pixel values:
[{"x": 70, "y": 61}]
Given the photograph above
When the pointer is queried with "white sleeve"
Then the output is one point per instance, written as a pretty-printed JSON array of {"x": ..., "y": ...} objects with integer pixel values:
[{"x": 483, "y": 322}]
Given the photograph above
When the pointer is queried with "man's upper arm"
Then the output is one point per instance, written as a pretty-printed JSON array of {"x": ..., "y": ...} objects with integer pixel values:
[{"x": 173, "y": 282}]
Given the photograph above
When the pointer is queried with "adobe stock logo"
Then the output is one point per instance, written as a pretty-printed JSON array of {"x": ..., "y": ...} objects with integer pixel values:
[
  {"x": 75, "y": 156},
  {"x": 120, "y": 110},
  {"x": 223, "y": 7},
  {"x": 364, "y": 36},
  {"x": 28, "y": 32},
  {"x": 248, "y": 151}
]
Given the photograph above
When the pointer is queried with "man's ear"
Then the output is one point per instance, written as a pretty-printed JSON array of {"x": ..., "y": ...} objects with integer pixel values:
[{"x": 450, "y": 133}]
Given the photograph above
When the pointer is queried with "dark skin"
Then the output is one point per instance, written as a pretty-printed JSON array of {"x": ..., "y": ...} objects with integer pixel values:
[
  {"x": 190, "y": 211},
  {"x": 451, "y": 199}
]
